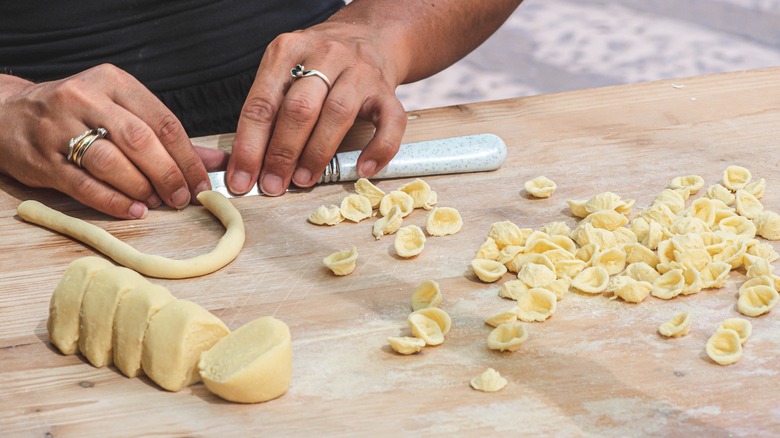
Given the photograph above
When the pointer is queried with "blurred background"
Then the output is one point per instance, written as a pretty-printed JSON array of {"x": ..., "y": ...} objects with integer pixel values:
[{"x": 548, "y": 46}]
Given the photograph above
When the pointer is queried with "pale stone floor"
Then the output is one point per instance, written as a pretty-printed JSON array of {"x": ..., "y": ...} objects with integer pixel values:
[{"x": 548, "y": 46}]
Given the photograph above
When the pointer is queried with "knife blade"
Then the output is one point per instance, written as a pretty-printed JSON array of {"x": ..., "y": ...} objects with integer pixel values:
[{"x": 469, "y": 153}]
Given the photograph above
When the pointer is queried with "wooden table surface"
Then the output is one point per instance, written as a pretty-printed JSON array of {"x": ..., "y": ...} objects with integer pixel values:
[{"x": 596, "y": 368}]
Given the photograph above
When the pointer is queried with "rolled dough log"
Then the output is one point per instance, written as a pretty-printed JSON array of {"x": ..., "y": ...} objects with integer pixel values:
[
  {"x": 98, "y": 309},
  {"x": 133, "y": 313},
  {"x": 65, "y": 304},
  {"x": 175, "y": 338},
  {"x": 253, "y": 364},
  {"x": 151, "y": 265}
]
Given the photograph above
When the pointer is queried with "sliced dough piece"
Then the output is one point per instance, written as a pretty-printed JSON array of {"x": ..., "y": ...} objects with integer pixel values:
[
  {"x": 175, "y": 338},
  {"x": 488, "y": 250},
  {"x": 369, "y": 190},
  {"x": 439, "y": 316},
  {"x": 736, "y": 177},
  {"x": 65, "y": 304},
  {"x": 420, "y": 192},
  {"x": 508, "y": 315},
  {"x": 536, "y": 275},
  {"x": 427, "y": 294},
  {"x": 399, "y": 198},
  {"x": 388, "y": 224},
  {"x": 508, "y": 336},
  {"x": 356, "y": 207},
  {"x": 757, "y": 300},
  {"x": 250, "y": 365},
  {"x": 133, "y": 313},
  {"x": 409, "y": 241},
  {"x": 768, "y": 225},
  {"x": 326, "y": 215},
  {"x": 513, "y": 289},
  {"x": 151, "y": 265},
  {"x": 342, "y": 262},
  {"x": 592, "y": 280},
  {"x": 488, "y": 271},
  {"x": 406, "y": 344},
  {"x": 540, "y": 187},
  {"x": 506, "y": 233},
  {"x": 679, "y": 325},
  {"x": 748, "y": 205},
  {"x": 489, "y": 381},
  {"x": 537, "y": 304},
  {"x": 629, "y": 289},
  {"x": 430, "y": 325},
  {"x": 98, "y": 309},
  {"x": 669, "y": 285},
  {"x": 724, "y": 347},
  {"x": 443, "y": 221},
  {"x": 694, "y": 183},
  {"x": 742, "y": 326}
]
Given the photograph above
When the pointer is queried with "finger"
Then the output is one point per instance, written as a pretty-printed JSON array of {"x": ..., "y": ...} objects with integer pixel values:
[
  {"x": 337, "y": 116},
  {"x": 389, "y": 118},
  {"x": 92, "y": 192},
  {"x": 106, "y": 162},
  {"x": 298, "y": 115},
  {"x": 213, "y": 159}
]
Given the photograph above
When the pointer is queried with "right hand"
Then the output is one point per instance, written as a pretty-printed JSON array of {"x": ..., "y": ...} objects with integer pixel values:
[{"x": 145, "y": 160}]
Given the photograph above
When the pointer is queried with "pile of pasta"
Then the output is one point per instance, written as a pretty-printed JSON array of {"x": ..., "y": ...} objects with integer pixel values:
[
  {"x": 393, "y": 208},
  {"x": 676, "y": 246}
]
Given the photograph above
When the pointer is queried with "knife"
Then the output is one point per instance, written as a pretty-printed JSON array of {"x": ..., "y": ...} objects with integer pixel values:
[{"x": 469, "y": 153}]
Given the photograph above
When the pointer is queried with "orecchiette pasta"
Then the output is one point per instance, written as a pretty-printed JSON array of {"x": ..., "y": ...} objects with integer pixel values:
[
  {"x": 508, "y": 315},
  {"x": 512, "y": 289},
  {"x": 641, "y": 271},
  {"x": 724, "y": 347},
  {"x": 409, "y": 241},
  {"x": 399, "y": 198},
  {"x": 388, "y": 224},
  {"x": 736, "y": 177},
  {"x": 757, "y": 300},
  {"x": 406, "y": 344},
  {"x": 678, "y": 326},
  {"x": 537, "y": 304},
  {"x": 756, "y": 188},
  {"x": 629, "y": 289},
  {"x": 326, "y": 215},
  {"x": 714, "y": 275},
  {"x": 748, "y": 205},
  {"x": 506, "y": 233},
  {"x": 342, "y": 262},
  {"x": 489, "y": 381},
  {"x": 356, "y": 207},
  {"x": 611, "y": 259},
  {"x": 669, "y": 285},
  {"x": 488, "y": 250},
  {"x": 691, "y": 182},
  {"x": 419, "y": 190},
  {"x": 443, "y": 221},
  {"x": 721, "y": 193},
  {"x": 508, "y": 336},
  {"x": 536, "y": 275},
  {"x": 369, "y": 190},
  {"x": 430, "y": 325},
  {"x": 427, "y": 294},
  {"x": 488, "y": 271},
  {"x": 540, "y": 187},
  {"x": 592, "y": 280},
  {"x": 742, "y": 326},
  {"x": 768, "y": 225}
]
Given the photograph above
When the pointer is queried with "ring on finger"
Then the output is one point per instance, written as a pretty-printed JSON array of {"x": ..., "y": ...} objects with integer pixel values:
[
  {"x": 300, "y": 71},
  {"x": 78, "y": 146}
]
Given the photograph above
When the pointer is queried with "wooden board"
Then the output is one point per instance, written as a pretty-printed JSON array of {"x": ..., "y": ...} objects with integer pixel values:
[{"x": 597, "y": 367}]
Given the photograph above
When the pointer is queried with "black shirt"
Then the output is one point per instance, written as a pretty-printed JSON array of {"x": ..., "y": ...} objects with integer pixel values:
[{"x": 198, "y": 56}]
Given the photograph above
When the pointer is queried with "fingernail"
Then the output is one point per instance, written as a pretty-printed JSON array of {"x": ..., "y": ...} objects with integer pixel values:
[
  {"x": 137, "y": 210},
  {"x": 202, "y": 187},
  {"x": 239, "y": 182},
  {"x": 302, "y": 177},
  {"x": 154, "y": 201},
  {"x": 368, "y": 168},
  {"x": 180, "y": 198},
  {"x": 271, "y": 185}
]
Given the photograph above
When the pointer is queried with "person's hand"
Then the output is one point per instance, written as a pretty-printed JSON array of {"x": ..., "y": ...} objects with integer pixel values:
[
  {"x": 146, "y": 158},
  {"x": 289, "y": 128}
]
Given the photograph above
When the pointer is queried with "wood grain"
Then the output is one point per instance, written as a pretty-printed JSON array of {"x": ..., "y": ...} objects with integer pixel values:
[{"x": 597, "y": 367}]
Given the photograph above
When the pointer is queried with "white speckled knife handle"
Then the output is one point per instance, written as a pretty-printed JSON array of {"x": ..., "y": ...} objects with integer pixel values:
[{"x": 471, "y": 153}]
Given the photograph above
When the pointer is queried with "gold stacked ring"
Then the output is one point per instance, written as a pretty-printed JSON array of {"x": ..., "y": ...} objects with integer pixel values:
[{"x": 78, "y": 146}]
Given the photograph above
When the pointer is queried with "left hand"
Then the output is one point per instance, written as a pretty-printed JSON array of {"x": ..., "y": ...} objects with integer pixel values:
[{"x": 289, "y": 128}]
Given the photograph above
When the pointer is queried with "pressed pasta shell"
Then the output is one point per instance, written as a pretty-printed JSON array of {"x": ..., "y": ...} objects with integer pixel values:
[
  {"x": 356, "y": 207},
  {"x": 540, "y": 187},
  {"x": 443, "y": 221},
  {"x": 399, "y": 198},
  {"x": 406, "y": 344},
  {"x": 592, "y": 280},
  {"x": 742, "y": 326},
  {"x": 724, "y": 347},
  {"x": 537, "y": 304},
  {"x": 342, "y": 262},
  {"x": 489, "y": 381},
  {"x": 427, "y": 294},
  {"x": 369, "y": 190},
  {"x": 409, "y": 241},
  {"x": 678, "y": 326},
  {"x": 507, "y": 337},
  {"x": 488, "y": 271}
]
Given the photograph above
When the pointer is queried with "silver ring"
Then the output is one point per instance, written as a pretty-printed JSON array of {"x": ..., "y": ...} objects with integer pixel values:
[
  {"x": 300, "y": 71},
  {"x": 78, "y": 146}
]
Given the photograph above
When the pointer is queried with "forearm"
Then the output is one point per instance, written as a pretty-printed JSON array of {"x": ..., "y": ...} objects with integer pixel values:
[{"x": 424, "y": 37}]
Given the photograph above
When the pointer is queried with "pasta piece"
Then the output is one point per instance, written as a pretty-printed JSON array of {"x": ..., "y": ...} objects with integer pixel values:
[
  {"x": 756, "y": 281},
  {"x": 369, "y": 190},
  {"x": 513, "y": 289},
  {"x": 591, "y": 280},
  {"x": 569, "y": 268},
  {"x": 624, "y": 236},
  {"x": 356, "y": 207},
  {"x": 629, "y": 289},
  {"x": 557, "y": 228},
  {"x": 427, "y": 294},
  {"x": 342, "y": 262},
  {"x": 606, "y": 220},
  {"x": 693, "y": 283},
  {"x": 388, "y": 224},
  {"x": 506, "y": 233},
  {"x": 508, "y": 315},
  {"x": 507, "y": 337},
  {"x": 326, "y": 215},
  {"x": 409, "y": 241},
  {"x": 559, "y": 287},
  {"x": 669, "y": 285},
  {"x": 742, "y": 326},
  {"x": 768, "y": 225},
  {"x": 488, "y": 250},
  {"x": 489, "y": 271},
  {"x": 736, "y": 177},
  {"x": 537, "y": 304},
  {"x": 672, "y": 198},
  {"x": 641, "y": 271},
  {"x": 758, "y": 267},
  {"x": 433, "y": 198},
  {"x": 763, "y": 250},
  {"x": 724, "y": 347},
  {"x": 679, "y": 325},
  {"x": 520, "y": 260},
  {"x": 443, "y": 221},
  {"x": 577, "y": 207},
  {"x": 721, "y": 193},
  {"x": 691, "y": 182},
  {"x": 406, "y": 345},
  {"x": 399, "y": 198},
  {"x": 586, "y": 252},
  {"x": 430, "y": 324},
  {"x": 603, "y": 201},
  {"x": 489, "y": 381},
  {"x": 714, "y": 275},
  {"x": 611, "y": 259},
  {"x": 540, "y": 187},
  {"x": 741, "y": 226},
  {"x": 419, "y": 190},
  {"x": 748, "y": 205},
  {"x": 757, "y": 300},
  {"x": 536, "y": 275},
  {"x": 756, "y": 188}
]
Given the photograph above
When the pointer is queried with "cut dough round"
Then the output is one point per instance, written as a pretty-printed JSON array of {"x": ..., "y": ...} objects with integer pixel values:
[
  {"x": 508, "y": 315},
  {"x": 537, "y": 304},
  {"x": 513, "y": 289},
  {"x": 388, "y": 224},
  {"x": 489, "y": 381},
  {"x": 757, "y": 300},
  {"x": 724, "y": 347},
  {"x": 326, "y": 215},
  {"x": 742, "y": 326},
  {"x": 342, "y": 262},
  {"x": 151, "y": 265},
  {"x": 420, "y": 192},
  {"x": 536, "y": 275},
  {"x": 507, "y": 337},
  {"x": 175, "y": 338},
  {"x": 592, "y": 280},
  {"x": 678, "y": 326},
  {"x": 65, "y": 304},
  {"x": 669, "y": 285},
  {"x": 629, "y": 289},
  {"x": 439, "y": 316},
  {"x": 406, "y": 344},
  {"x": 488, "y": 271},
  {"x": 399, "y": 198},
  {"x": 443, "y": 221},
  {"x": 98, "y": 309},
  {"x": 427, "y": 294},
  {"x": 426, "y": 328},
  {"x": 369, "y": 190},
  {"x": 540, "y": 187},
  {"x": 251, "y": 365},
  {"x": 736, "y": 177},
  {"x": 356, "y": 207},
  {"x": 409, "y": 241},
  {"x": 133, "y": 313}
]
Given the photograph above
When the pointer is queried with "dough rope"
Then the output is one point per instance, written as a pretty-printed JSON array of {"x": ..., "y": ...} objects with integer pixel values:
[{"x": 226, "y": 250}]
